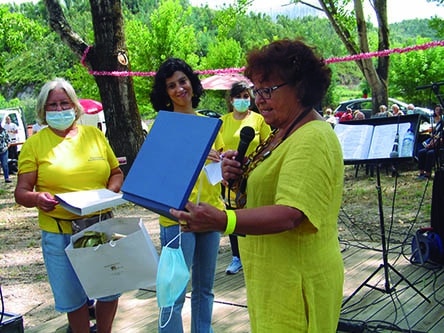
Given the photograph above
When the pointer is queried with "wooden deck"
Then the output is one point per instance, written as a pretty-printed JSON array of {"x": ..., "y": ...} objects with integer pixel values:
[
  {"x": 401, "y": 309},
  {"x": 396, "y": 307}
]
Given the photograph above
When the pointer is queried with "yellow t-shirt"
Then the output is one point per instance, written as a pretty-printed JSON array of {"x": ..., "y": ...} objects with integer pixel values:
[
  {"x": 232, "y": 127},
  {"x": 230, "y": 130},
  {"x": 202, "y": 191},
  {"x": 305, "y": 292},
  {"x": 83, "y": 162}
]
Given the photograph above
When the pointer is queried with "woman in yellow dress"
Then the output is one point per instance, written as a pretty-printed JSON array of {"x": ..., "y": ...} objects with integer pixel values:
[{"x": 293, "y": 186}]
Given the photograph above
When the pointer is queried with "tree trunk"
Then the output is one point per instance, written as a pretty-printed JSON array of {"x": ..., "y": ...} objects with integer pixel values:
[
  {"x": 123, "y": 122},
  {"x": 375, "y": 76}
]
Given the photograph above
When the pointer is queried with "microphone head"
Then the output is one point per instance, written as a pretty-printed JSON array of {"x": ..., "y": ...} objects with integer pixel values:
[
  {"x": 394, "y": 154},
  {"x": 247, "y": 134}
]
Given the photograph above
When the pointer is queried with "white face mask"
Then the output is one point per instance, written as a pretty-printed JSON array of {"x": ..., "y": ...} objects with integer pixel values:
[
  {"x": 241, "y": 104},
  {"x": 60, "y": 120}
]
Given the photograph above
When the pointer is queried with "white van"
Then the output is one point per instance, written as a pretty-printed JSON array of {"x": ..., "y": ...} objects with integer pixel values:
[{"x": 16, "y": 115}]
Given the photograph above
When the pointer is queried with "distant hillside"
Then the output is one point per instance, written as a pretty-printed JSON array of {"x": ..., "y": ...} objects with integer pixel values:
[
  {"x": 291, "y": 11},
  {"x": 412, "y": 29}
]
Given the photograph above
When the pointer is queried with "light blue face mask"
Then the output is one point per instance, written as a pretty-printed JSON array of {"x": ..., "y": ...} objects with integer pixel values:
[
  {"x": 60, "y": 120},
  {"x": 172, "y": 278},
  {"x": 241, "y": 104}
]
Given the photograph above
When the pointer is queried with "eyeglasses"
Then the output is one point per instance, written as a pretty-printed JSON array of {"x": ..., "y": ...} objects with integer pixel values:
[
  {"x": 65, "y": 105},
  {"x": 265, "y": 93}
]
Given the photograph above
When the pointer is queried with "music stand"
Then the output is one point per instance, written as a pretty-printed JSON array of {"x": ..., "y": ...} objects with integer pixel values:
[{"x": 413, "y": 124}]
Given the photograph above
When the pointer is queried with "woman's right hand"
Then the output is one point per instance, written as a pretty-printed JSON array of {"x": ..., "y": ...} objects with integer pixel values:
[
  {"x": 231, "y": 169},
  {"x": 45, "y": 201}
]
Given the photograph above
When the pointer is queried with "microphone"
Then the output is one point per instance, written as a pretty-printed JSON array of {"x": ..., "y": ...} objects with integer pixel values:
[
  {"x": 246, "y": 136},
  {"x": 395, "y": 152}
]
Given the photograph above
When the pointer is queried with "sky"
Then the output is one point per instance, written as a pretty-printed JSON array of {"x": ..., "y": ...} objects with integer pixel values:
[{"x": 398, "y": 10}]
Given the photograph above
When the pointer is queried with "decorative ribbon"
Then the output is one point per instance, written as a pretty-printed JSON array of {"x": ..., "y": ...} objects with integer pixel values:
[{"x": 368, "y": 55}]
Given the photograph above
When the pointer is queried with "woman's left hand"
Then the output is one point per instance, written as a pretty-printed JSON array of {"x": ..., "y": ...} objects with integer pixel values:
[
  {"x": 214, "y": 155},
  {"x": 200, "y": 218}
]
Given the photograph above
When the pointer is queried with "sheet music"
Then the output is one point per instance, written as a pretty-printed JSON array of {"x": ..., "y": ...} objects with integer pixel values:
[
  {"x": 383, "y": 139},
  {"x": 363, "y": 142}
]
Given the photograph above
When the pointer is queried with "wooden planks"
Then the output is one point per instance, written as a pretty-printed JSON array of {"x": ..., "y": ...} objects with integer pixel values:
[{"x": 397, "y": 311}]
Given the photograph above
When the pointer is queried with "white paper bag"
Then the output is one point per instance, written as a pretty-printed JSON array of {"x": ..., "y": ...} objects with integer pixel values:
[{"x": 118, "y": 266}]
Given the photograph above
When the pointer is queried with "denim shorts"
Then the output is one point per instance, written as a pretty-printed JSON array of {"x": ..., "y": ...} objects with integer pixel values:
[{"x": 68, "y": 292}]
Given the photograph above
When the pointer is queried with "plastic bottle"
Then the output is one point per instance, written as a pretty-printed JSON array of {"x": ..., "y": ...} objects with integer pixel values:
[{"x": 407, "y": 144}]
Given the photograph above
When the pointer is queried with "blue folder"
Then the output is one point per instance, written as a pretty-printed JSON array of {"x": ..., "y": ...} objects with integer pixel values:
[{"x": 169, "y": 162}]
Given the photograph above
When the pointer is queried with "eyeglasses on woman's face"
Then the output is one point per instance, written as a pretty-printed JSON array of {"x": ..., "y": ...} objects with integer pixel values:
[
  {"x": 265, "y": 93},
  {"x": 54, "y": 106}
]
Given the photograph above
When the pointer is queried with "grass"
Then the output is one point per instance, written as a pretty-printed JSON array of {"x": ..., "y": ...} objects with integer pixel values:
[{"x": 406, "y": 204}]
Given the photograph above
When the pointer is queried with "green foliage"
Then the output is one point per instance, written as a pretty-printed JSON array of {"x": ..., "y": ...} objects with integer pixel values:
[
  {"x": 413, "y": 69},
  {"x": 225, "y": 53}
]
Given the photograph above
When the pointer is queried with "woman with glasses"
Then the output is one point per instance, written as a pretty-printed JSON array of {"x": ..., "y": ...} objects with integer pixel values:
[
  {"x": 292, "y": 188},
  {"x": 66, "y": 157},
  {"x": 239, "y": 115}
]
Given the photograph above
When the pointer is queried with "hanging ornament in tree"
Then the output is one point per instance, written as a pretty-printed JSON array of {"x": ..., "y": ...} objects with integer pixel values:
[{"x": 122, "y": 58}]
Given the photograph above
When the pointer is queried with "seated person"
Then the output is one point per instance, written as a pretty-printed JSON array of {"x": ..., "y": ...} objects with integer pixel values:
[
  {"x": 382, "y": 112},
  {"x": 426, "y": 155},
  {"x": 358, "y": 115},
  {"x": 396, "y": 111},
  {"x": 348, "y": 115}
]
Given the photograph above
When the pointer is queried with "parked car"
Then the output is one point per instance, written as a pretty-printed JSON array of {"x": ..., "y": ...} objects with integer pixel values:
[
  {"x": 365, "y": 105},
  {"x": 210, "y": 113}
]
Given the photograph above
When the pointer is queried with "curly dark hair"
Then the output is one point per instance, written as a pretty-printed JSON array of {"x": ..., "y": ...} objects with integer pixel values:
[
  {"x": 295, "y": 63},
  {"x": 159, "y": 96}
]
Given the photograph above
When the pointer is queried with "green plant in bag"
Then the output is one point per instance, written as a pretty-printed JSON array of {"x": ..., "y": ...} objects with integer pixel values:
[{"x": 91, "y": 239}]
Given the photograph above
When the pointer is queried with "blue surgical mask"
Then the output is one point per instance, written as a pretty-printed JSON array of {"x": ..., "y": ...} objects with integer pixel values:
[
  {"x": 241, "y": 104},
  {"x": 172, "y": 278},
  {"x": 60, "y": 120}
]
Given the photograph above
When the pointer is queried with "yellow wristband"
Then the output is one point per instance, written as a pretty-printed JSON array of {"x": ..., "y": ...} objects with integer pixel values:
[{"x": 231, "y": 221}]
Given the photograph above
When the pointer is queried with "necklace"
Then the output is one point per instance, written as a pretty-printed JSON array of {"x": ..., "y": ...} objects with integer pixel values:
[{"x": 262, "y": 152}]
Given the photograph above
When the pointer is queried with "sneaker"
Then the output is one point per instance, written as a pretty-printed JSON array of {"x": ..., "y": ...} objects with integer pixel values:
[
  {"x": 422, "y": 177},
  {"x": 8, "y": 180},
  {"x": 92, "y": 329},
  {"x": 234, "y": 267}
]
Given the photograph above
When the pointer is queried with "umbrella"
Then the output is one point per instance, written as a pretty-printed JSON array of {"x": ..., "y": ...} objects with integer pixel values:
[
  {"x": 91, "y": 106},
  {"x": 223, "y": 81}
]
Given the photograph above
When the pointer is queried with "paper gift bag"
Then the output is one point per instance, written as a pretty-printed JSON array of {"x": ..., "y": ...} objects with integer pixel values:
[{"x": 117, "y": 266}]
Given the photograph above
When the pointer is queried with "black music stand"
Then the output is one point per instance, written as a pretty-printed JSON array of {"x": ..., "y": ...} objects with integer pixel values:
[
  {"x": 413, "y": 121},
  {"x": 385, "y": 265}
]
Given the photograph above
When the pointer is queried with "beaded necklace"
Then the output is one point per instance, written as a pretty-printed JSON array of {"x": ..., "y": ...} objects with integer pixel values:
[{"x": 259, "y": 155}]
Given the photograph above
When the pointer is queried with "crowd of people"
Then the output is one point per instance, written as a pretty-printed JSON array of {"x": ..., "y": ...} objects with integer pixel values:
[{"x": 265, "y": 203}]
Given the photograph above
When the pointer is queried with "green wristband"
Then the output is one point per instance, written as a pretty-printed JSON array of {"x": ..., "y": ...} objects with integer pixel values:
[{"x": 231, "y": 221}]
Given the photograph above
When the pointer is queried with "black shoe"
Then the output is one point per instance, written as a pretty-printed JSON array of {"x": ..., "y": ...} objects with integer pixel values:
[{"x": 92, "y": 312}]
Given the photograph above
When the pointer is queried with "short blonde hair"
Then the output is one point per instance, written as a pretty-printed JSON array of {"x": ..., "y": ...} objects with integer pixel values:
[{"x": 57, "y": 83}]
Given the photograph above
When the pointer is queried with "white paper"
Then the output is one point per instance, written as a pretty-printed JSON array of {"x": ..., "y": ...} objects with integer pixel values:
[
  {"x": 362, "y": 142},
  {"x": 214, "y": 172},
  {"x": 90, "y": 201}
]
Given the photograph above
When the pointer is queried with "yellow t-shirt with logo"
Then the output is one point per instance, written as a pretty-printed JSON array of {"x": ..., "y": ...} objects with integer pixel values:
[{"x": 83, "y": 162}]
